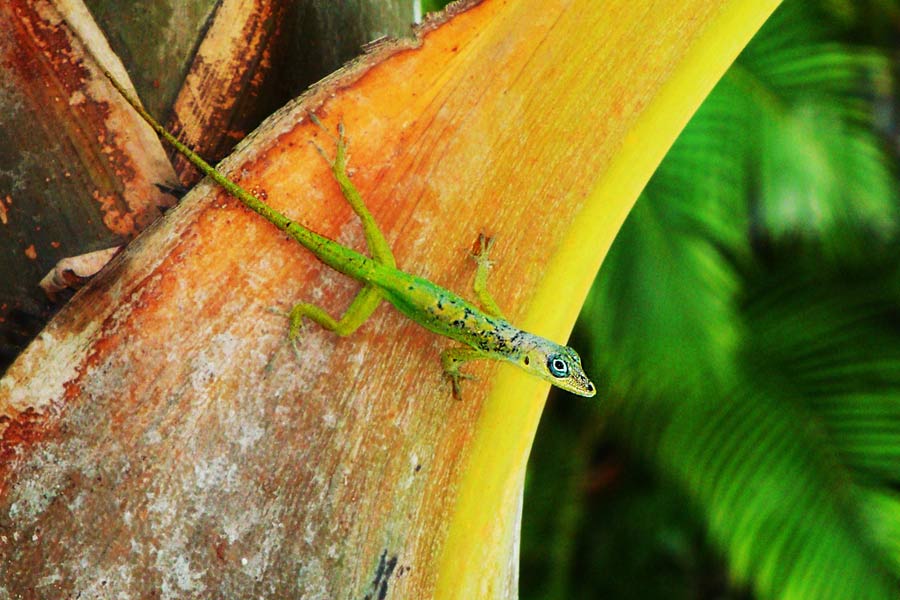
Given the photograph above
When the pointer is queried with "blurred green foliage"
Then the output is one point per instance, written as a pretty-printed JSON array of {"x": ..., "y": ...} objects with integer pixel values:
[
  {"x": 746, "y": 328},
  {"x": 433, "y": 5}
]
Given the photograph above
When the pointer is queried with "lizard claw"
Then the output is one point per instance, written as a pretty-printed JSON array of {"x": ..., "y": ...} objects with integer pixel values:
[
  {"x": 484, "y": 248},
  {"x": 294, "y": 328},
  {"x": 340, "y": 141},
  {"x": 318, "y": 123},
  {"x": 455, "y": 379}
]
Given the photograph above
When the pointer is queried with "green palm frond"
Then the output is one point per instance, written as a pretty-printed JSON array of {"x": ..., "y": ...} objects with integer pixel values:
[
  {"x": 838, "y": 351},
  {"x": 881, "y": 512},
  {"x": 821, "y": 169},
  {"x": 766, "y": 385},
  {"x": 785, "y": 464},
  {"x": 773, "y": 497}
]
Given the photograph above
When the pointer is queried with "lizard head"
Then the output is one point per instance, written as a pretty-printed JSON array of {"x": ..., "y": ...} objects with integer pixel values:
[{"x": 560, "y": 365}]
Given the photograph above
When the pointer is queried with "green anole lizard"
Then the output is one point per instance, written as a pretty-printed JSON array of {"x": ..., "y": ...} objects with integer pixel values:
[{"x": 486, "y": 333}]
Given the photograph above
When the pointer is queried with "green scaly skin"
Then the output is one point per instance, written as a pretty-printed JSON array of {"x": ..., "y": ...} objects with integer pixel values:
[{"x": 485, "y": 332}]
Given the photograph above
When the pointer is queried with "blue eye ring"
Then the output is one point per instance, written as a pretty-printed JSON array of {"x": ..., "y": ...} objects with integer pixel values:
[{"x": 557, "y": 366}]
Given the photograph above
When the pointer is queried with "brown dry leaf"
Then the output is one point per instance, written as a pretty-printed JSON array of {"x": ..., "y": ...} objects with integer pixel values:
[{"x": 72, "y": 273}]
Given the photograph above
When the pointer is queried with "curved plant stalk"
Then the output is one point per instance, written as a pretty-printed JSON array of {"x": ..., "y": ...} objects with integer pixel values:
[{"x": 161, "y": 430}]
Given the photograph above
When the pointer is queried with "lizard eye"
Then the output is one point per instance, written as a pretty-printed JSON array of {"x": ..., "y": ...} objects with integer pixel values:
[{"x": 558, "y": 367}]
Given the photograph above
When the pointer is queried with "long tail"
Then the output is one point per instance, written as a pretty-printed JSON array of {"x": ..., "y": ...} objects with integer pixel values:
[{"x": 317, "y": 244}]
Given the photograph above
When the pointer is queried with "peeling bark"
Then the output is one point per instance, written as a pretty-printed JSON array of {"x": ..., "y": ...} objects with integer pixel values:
[{"x": 78, "y": 172}]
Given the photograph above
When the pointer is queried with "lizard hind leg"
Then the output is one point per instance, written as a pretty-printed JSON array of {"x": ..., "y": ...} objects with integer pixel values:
[
  {"x": 487, "y": 301},
  {"x": 378, "y": 246}
]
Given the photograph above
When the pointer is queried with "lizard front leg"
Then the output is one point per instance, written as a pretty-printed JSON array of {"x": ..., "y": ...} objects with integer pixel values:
[
  {"x": 481, "y": 274},
  {"x": 451, "y": 359}
]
